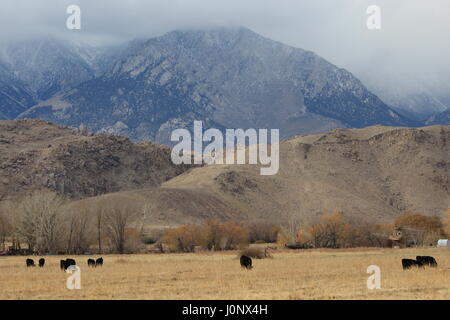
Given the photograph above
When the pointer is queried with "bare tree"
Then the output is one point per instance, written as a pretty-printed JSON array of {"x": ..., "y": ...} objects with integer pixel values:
[
  {"x": 40, "y": 220},
  {"x": 117, "y": 219},
  {"x": 5, "y": 229},
  {"x": 78, "y": 233},
  {"x": 12, "y": 214},
  {"x": 147, "y": 209},
  {"x": 328, "y": 232},
  {"x": 99, "y": 225},
  {"x": 99, "y": 211},
  {"x": 295, "y": 223}
]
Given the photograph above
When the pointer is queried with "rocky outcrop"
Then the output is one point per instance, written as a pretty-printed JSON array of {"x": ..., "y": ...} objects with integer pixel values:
[{"x": 36, "y": 154}]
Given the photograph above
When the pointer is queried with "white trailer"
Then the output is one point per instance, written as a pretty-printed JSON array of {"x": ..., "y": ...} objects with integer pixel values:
[{"x": 443, "y": 243}]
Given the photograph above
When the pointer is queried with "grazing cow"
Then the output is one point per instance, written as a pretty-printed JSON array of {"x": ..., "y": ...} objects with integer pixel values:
[
  {"x": 99, "y": 262},
  {"x": 30, "y": 263},
  {"x": 41, "y": 262},
  {"x": 409, "y": 263},
  {"x": 427, "y": 261},
  {"x": 246, "y": 262},
  {"x": 64, "y": 264},
  {"x": 70, "y": 262},
  {"x": 91, "y": 262}
]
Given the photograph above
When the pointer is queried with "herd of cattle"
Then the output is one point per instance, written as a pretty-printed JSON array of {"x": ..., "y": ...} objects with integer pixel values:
[
  {"x": 420, "y": 262},
  {"x": 64, "y": 264},
  {"x": 246, "y": 262}
]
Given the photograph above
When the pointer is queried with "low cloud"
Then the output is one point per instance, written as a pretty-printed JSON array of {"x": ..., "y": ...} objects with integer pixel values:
[{"x": 413, "y": 38}]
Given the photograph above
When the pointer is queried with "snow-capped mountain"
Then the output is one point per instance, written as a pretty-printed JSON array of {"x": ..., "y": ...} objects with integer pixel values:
[
  {"x": 442, "y": 118},
  {"x": 227, "y": 77},
  {"x": 413, "y": 93},
  {"x": 48, "y": 66},
  {"x": 15, "y": 98}
]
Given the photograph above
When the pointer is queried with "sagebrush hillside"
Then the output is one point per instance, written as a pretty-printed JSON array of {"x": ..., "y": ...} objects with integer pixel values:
[
  {"x": 371, "y": 174},
  {"x": 35, "y": 154}
]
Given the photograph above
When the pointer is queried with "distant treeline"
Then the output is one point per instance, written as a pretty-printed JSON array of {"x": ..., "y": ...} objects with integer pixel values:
[
  {"x": 45, "y": 223},
  {"x": 332, "y": 230}
]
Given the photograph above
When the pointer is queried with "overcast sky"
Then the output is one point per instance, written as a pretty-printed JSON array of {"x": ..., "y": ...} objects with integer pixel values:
[{"x": 414, "y": 33}]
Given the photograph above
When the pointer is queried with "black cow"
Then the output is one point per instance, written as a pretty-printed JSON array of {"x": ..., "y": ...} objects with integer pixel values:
[
  {"x": 91, "y": 262},
  {"x": 70, "y": 262},
  {"x": 246, "y": 262},
  {"x": 41, "y": 262},
  {"x": 427, "y": 261},
  {"x": 409, "y": 263},
  {"x": 64, "y": 264},
  {"x": 99, "y": 262},
  {"x": 30, "y": 263}
]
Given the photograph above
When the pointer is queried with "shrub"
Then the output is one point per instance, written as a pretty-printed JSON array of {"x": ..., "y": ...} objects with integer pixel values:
[
  {"x": 432, "y": 227},
  {"x": 262, "y": 232},
  {"x": 211, "y": 235},
  {"x": 152, "y": 236},
  {"x": 328, "y": 232},
  {"x": 185, "y": 238},
  {"x": 133, "y": 241},
  {"x": 447, "y": 226},
  {"x": 421, "y": 222}
]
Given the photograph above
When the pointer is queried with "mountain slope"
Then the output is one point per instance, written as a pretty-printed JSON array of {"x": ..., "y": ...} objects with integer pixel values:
[
  {"x": 372, "y": 175},
  {"x": 416, "y": 94},
  {"x": 440, "y": 118},
  {"x": 35, "y": 154},
  {"x": 15, "y": 98},
  {"x": 229, "y": 78},
  {"x": 48, "y": 66}
]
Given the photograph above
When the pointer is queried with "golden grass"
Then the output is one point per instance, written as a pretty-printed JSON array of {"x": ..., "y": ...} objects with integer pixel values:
[{"x": 316, "y": 274}]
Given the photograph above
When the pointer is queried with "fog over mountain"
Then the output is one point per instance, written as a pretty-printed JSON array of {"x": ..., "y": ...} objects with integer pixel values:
[{"x": 406, "y": 63}]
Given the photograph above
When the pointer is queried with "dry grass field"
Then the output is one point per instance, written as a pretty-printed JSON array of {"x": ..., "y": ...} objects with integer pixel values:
[{"x": 315, "y": 274}]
